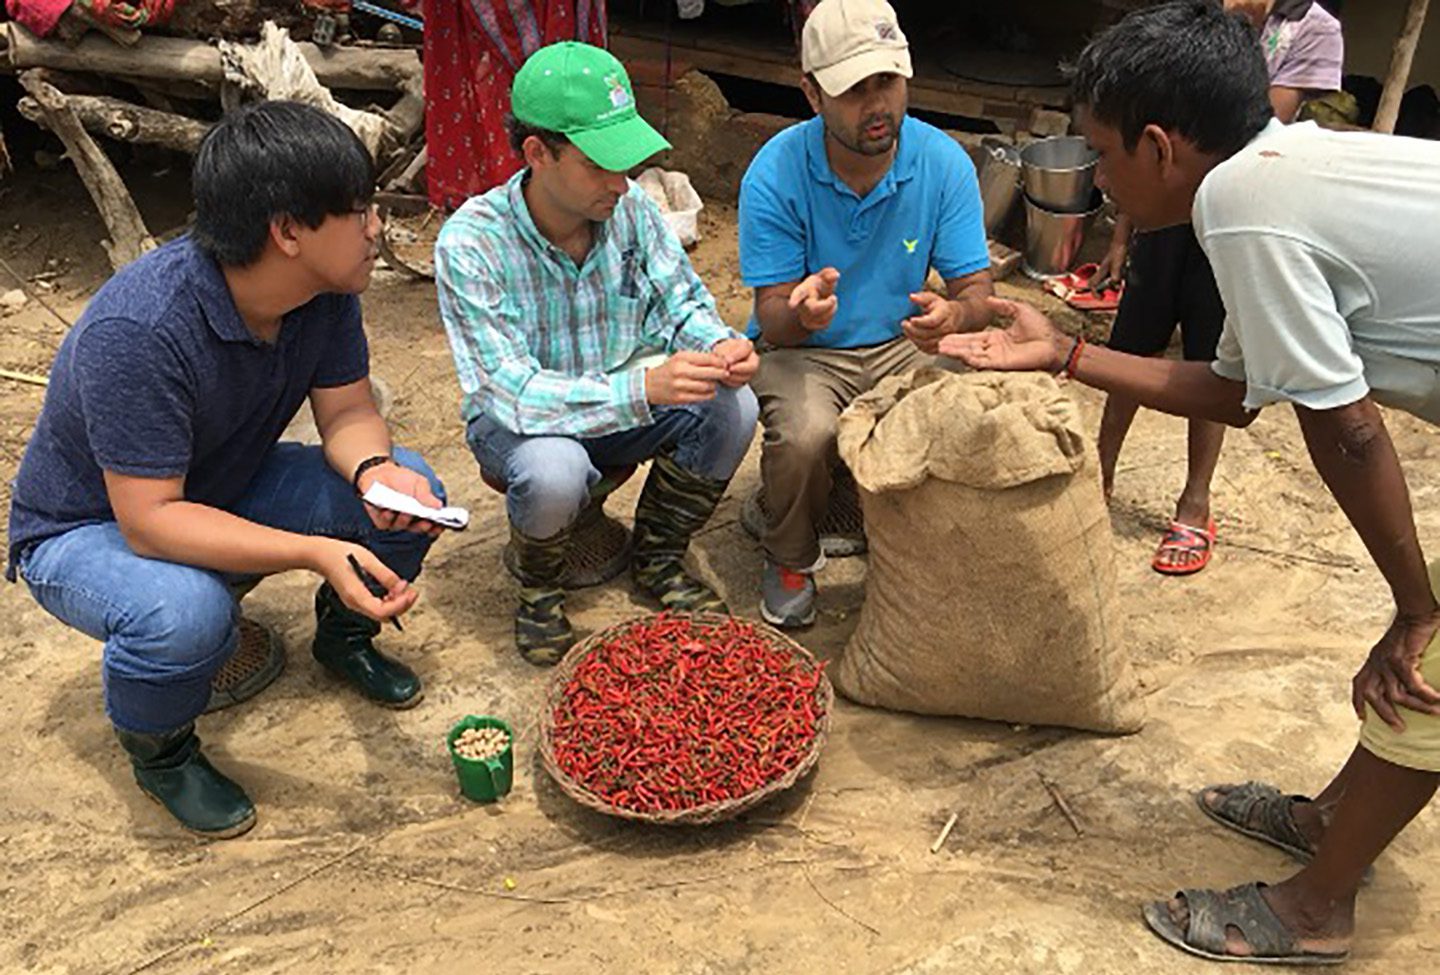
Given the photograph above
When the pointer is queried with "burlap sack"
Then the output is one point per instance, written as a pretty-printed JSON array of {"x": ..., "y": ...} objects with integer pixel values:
[{"x": 991, "y": 584}]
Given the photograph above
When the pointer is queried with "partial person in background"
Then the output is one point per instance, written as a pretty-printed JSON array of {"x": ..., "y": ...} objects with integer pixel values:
[
  {"x": 1169, "y": 280},
  {"x": 472, "y": 50}
]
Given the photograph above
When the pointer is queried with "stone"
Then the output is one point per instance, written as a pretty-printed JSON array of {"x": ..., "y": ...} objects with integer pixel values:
[
  {"x": 1044, "y": 122},
  {"x": 12, "y": 301}
]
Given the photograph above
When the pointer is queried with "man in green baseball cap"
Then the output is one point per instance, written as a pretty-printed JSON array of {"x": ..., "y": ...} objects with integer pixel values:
[{"x": 585, "y": 344}]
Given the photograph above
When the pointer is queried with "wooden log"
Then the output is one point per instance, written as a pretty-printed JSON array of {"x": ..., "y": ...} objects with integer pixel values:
[
  {"x": 1399, "y": 75},
  {"x": 128, "y": 236},
  {"x": 125, "y": 122},
  {"x": 177, "y": 59},
  {"x": 407, "y": 115}
]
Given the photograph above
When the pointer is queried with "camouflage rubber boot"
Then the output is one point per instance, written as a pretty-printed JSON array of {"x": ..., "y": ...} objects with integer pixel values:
[
  {"x": 674, "y": 505},
  {"x": 542, "y": 631}
]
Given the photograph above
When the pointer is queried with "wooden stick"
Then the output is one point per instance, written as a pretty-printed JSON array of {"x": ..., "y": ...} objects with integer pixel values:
[
  {"x": 24, "y": 377},
  {"x": 178, "y": 59},
  {"x": 128, "y": 236},
  {"x": 1399, "y": 76},
  {"x": 944, "y": 833},
  {"x": 1061, "y": 804},
  {"x": 126, "y": 122}
]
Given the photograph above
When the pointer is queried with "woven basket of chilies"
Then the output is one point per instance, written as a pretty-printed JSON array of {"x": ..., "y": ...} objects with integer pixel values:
[{"x": 684, "y": 719}]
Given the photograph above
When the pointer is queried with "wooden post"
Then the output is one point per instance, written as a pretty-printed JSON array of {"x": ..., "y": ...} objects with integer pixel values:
[
  {"x": 1389, "y": 111},
  {"x": 128, "y": 236},
  {"x": 126, "y": 122}
]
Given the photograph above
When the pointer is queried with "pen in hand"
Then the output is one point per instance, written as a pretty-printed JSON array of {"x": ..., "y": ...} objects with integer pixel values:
[{"x": 372, "y": 584}]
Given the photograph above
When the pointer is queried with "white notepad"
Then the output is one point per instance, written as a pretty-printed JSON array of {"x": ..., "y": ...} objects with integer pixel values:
[{"x": 382, "y": 496}]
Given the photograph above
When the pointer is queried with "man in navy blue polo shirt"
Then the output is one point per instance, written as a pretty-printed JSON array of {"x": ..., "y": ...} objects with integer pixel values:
[
  {"x": 841, "y": 219},
  {"x": 154, "y": 480}
]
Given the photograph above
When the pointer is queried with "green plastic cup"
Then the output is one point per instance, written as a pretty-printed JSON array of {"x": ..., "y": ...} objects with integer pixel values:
[{"x": 489, "y": 779}]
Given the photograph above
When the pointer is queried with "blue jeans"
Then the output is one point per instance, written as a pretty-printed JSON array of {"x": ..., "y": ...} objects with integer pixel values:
[
  {"x": 548, "y": 479},
  {"x": 167, "y": 627}
]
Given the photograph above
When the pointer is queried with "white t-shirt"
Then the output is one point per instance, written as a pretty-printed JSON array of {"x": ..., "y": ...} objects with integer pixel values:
[{"x": 1326, "y": 248}]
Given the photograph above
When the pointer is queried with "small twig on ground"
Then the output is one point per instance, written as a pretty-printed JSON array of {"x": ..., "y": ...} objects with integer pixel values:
[
  {"x": 25, "y": 287},
  {"x": 579, "y": 898},
  {"x": 1333, "y": 563},
  {"x": 24, "y": 377},
  {"x": 236, "y": 915},
  {"x": 805, "y": 869},
  {"x": 944, "y": 833},
  {"x": 1060, "y": 803}
]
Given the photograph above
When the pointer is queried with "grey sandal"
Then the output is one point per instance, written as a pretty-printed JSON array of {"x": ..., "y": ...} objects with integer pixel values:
[
  {"x": 1276, "y": 819},
  {"x": 1242, "y": 908}
]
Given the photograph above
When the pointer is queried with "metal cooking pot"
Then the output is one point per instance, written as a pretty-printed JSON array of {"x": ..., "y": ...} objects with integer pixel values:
[
  {"x": 999, "y": 182},
  {"x": 1059, "y": 173},
  {"x": 1053, "y": 240}
]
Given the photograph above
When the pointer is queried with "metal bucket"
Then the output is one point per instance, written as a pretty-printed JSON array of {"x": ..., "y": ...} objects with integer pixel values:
[
  {"x": 1060, "y": 173},
  {"x": 999, "y": 182},
  {"x": 1053, "y": 240}
]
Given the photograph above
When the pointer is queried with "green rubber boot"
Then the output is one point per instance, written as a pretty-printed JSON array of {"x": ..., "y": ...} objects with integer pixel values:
[
  {"x": 673, "y": 506},
  {"x": 542, "y": 630},
  {"x": 171, "y": 769},
  {"x": 343, "y": 645}
]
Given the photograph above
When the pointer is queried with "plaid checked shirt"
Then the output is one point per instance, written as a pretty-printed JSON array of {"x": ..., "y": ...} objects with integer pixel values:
[{"x": 547, "y": 348}]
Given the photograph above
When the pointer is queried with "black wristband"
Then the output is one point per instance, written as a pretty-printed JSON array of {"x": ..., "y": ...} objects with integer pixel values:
[{"x": 365, "y": 465}]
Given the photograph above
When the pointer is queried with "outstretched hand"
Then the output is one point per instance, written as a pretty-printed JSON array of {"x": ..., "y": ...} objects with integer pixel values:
[{"x": 1029, "y": 342}]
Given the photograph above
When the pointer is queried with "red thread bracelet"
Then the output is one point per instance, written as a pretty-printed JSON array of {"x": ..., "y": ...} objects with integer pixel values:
[{"x": 1073, "y": 359}]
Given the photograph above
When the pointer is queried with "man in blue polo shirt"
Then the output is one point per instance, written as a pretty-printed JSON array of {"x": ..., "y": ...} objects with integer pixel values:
[
  {"x": 154, "y": 481},
  {"x": 841, "y": 219}
]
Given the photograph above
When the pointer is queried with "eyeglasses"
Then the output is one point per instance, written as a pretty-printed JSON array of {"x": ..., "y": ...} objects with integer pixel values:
[{"x": 365, "y": 211}]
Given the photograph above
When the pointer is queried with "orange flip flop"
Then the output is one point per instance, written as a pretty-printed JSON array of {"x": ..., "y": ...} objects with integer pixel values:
[{"x": 1180, "y": 537}]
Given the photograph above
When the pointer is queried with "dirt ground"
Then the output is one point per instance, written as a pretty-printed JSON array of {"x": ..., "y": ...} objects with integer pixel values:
[{"x": 366, "y": 859}]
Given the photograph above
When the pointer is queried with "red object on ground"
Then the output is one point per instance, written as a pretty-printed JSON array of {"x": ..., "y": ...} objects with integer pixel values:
[
  {"x": 674, "y": 713},
  {"x": 1076, "y": 291},
  {"x": 472, "y": 50}
]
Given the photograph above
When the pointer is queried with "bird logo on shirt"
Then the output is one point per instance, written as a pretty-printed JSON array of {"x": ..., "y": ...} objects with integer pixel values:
[{"x": 910, "y": 245}]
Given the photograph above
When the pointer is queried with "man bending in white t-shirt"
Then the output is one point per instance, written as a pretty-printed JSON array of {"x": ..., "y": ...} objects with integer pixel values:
[{"x": 1325, "y": 266}]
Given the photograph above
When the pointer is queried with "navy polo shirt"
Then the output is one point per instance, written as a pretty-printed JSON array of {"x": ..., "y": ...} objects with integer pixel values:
[
  {"x": 797, "y": 217},
  {"x": 160, "y": 378}
]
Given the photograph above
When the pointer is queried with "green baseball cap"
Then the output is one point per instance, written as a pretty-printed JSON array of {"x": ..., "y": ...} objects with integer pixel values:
[{"x": 584, "y": 93}]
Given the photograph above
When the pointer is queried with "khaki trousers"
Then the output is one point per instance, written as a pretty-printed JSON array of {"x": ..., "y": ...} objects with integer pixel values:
[{"x": 802, "y": 393}]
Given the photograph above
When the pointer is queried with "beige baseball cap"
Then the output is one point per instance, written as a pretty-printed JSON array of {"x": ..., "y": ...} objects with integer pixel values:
[{"x": 846, "y": 41}]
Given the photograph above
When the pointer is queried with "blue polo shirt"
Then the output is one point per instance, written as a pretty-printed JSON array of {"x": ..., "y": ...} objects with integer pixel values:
[
  {"x": 797, "y": 217},
  {"x": 160, "y": 378}
]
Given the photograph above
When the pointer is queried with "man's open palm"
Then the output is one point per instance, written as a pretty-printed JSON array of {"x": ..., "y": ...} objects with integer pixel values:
[{"x": 1028, "y": 343}]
